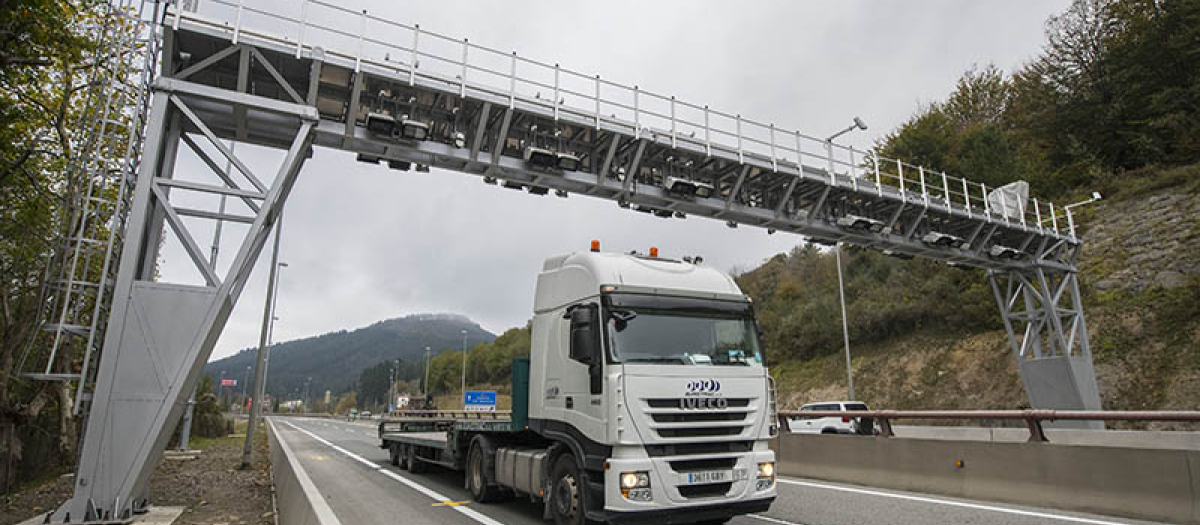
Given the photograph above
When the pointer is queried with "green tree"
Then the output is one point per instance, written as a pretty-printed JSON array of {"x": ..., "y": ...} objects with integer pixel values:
[
  {"x": 374, "y": 383},
  {"x": 346, "y": 401},
  {"x": 48, "y": 56}
]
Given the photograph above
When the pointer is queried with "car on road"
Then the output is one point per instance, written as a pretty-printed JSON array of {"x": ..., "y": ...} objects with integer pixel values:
[{"x": 864, "y": 426}]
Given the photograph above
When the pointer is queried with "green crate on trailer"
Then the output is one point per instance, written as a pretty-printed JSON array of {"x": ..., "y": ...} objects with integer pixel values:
[{"x": 520, "y": 393}]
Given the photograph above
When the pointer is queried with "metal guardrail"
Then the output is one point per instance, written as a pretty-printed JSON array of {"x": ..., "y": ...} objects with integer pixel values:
[
  {"x": 379, "y": 43},
  {"x": 1032, "y": 418},
  {"x": 448, "y": 414}
]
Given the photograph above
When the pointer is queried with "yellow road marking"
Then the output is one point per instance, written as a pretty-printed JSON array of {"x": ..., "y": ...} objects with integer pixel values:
[{"x": 449, "y": 503}]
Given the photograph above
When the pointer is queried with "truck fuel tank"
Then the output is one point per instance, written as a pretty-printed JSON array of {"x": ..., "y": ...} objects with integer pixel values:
[{"x": 521, "y": 469}]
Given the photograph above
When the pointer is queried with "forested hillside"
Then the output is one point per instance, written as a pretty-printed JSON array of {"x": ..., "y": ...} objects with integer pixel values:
[{"x": 335, "y": 361}]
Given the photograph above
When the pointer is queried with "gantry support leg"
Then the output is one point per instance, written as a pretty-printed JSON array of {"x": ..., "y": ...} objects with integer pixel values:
[
  {"x": 161, "y": 334},
  {"x": 1043, "y": 317}
]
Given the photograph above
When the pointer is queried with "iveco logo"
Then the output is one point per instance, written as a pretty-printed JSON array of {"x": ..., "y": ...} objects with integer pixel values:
[
  {"x": 700, "y": 403},
  {"x": 704, "y": 385}
]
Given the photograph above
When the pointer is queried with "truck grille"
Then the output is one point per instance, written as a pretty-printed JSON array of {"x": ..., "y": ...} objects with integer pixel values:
[
  {"x": 695, "y": 449},
  {"x": 699, "y": 432},
  {"x": 693, "y": 465},
  {"x": 674, "y": 402},
  {"x": 698, "y": 417},
  {"x": 705, "y": 491},
  {"x": 682, "y": 418}
]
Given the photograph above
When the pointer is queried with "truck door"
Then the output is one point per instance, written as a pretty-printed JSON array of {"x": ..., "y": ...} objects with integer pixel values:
[{"x": 583, "y": 402}]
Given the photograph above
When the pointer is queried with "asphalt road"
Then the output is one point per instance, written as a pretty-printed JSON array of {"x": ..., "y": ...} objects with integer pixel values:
[{"x": 353, "y": 474}]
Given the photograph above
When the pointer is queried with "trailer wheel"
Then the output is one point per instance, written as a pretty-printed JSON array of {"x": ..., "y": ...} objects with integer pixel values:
[
  {"x": 481, "y": 471},
  {"x": 402, "y": 455},
  {"x": 394, "y": 453},
  {"x": 415, "y": 465},
  {"x": 566, "y": 492}
]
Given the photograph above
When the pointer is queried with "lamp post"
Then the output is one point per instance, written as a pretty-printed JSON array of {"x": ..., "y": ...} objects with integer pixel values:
[
  {"x": 262, "y": 392},
  {"x": 246, "y": 382},
  {"x": 1070, "y": 218},
  {"x": 837, "y": 254},
  {"x": 428, "y": 360},
  {"x": 464, "y": 369},
  {"x": 268, "y": 324}
]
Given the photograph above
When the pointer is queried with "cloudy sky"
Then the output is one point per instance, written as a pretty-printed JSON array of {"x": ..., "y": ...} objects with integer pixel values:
[{"x": 364, "y": 243}]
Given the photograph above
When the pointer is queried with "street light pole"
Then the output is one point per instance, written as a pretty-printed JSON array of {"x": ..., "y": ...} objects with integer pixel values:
[
  {"x": 464, "y": 370},
  {"x": 428, "y": 359},
  {"x": 260, "y": 369},
  {"x": 837, "y": 251},
  {"x": 837, "y": 254}
]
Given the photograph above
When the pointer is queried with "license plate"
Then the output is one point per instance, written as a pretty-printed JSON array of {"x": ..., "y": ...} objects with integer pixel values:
[{"x": 709, "y": 476}]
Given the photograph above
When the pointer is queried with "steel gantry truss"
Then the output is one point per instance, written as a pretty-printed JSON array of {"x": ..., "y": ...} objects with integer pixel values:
[{"x": 439, "y": 102}]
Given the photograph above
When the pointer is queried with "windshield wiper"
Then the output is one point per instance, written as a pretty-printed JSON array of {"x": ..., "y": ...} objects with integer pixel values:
[{"x": 656, "y": 360}]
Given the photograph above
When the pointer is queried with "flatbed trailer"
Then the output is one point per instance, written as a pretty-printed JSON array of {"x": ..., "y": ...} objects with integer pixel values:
[{"x": 414, "y": 442}]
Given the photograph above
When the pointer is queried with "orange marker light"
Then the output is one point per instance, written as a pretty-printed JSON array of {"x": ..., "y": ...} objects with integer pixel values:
[
  {"x": 654, "y": 251},
  {"x": 595, "y": 246}
]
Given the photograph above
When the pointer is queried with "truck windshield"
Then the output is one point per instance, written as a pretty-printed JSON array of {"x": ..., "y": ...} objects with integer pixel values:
[{"x": 681, "y": 332}]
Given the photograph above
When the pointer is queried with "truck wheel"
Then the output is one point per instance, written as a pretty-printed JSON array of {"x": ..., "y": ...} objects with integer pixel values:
[
  {"x": 402, "y": 456},
  {"x": 481, "y": 468},
  {"x": 394, "y": 453},
  {"x": 415, "y": 465},
  {"x": 566, "y": 492}
]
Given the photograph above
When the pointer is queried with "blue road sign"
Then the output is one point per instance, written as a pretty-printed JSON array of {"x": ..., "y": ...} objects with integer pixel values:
[{"x": 479, "y": 400}]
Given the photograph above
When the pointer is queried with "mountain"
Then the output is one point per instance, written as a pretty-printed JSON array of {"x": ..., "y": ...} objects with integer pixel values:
[{"x": 335, "y": 360}]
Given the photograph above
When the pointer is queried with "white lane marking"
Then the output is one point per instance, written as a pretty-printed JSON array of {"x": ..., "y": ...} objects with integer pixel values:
[
  {"x": 976, "y": 506},
  {"x": 471, "y": 513},
  {"x": 773, "y": 520}
]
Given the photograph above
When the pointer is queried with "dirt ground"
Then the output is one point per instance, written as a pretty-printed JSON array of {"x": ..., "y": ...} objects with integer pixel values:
[{"x": 210, "y": 487}]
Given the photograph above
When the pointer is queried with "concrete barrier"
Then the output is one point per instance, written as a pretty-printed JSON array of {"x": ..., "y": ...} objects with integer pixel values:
[
  {"x": 1172, "y": 440},
  {"x": 296, "y": 496},
  {"x": 1154, "y": 484}
]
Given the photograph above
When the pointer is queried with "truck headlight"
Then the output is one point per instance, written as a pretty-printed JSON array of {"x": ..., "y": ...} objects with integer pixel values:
[
  {"x": 766, "y": 470},
  {"x": 766, "y": 476},
  {"x": 636, "y": 485},
  {"x": 631, "y": 480}
]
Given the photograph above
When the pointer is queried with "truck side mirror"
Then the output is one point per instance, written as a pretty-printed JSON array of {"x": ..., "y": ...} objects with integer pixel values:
[
  {"x": 585, "y": 333},
  {"x": 585, "y": 342}
]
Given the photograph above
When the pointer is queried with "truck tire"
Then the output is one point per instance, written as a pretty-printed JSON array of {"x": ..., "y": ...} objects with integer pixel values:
[
  {"x": 566, "y": 492},
  {"x": 402, "y": 454},
  {"x": 415, "y": 465},
  {"x": 481, "y": 471},
  {"x": 394, "y": 453}
]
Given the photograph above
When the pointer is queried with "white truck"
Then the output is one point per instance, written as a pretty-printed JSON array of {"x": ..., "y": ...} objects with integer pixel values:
[{"x": 645, "y": 399}]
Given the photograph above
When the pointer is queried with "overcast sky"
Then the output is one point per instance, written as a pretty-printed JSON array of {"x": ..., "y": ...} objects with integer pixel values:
[{"x": 364, "y": 243}]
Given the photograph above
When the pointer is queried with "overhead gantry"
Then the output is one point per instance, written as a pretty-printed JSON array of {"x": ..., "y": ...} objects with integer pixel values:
[{"x": 415, "y": 100}]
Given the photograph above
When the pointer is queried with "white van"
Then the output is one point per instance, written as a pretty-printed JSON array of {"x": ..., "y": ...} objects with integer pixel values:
[{"x": 833, "y": 425}]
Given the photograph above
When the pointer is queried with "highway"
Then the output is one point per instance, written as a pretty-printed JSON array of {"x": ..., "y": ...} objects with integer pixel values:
[{"x": 360, "y": 486}]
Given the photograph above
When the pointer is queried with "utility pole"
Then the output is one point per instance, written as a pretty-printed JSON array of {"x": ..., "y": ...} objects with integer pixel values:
[
  {"x": 246, "y": 382},
  {"x": 260, "y": 369},
  {"x": 464, "y": 370},
  {"x": 428, "y": 361}
]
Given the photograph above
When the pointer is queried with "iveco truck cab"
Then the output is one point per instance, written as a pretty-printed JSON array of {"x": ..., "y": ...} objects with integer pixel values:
[{"x": 647, "y": 400}]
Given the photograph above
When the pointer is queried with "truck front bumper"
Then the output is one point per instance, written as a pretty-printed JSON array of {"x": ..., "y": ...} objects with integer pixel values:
[{"x": 694, "y": 514}]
